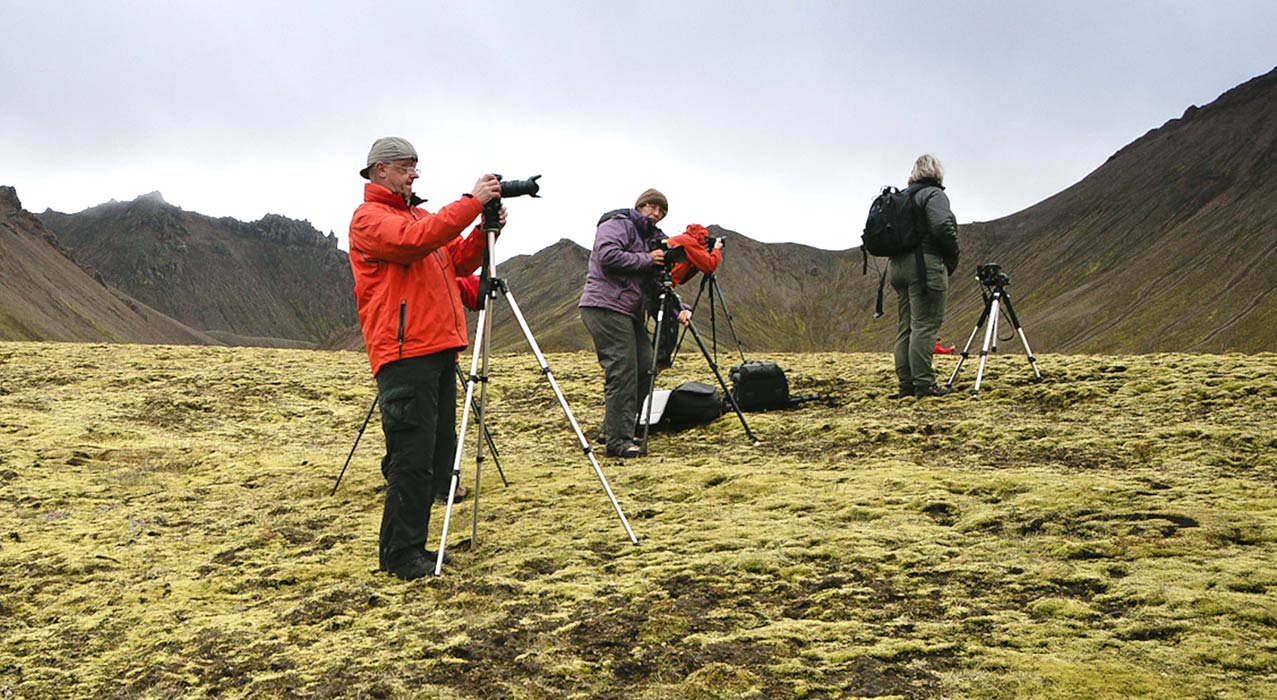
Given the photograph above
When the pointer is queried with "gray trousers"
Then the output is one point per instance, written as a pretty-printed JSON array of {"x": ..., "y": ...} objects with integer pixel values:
[
  {"x": 624, "y": 350},
  {"x": 920, "y": 318}
]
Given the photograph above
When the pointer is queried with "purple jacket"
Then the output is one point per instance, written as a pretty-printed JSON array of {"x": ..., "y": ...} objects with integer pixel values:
[{"x": 620, "y": 271}]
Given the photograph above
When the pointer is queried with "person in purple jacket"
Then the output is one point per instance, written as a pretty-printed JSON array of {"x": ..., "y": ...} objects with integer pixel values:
[{"x": 623, "y": 274}]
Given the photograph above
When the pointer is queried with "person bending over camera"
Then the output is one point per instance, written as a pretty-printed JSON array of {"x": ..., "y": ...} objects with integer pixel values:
[
  {"x": 702, "y": 256},
  {"x": 623, "y": 274},
  {"x": 922, "y": 293},
  {"x": 406, "y": 262}
]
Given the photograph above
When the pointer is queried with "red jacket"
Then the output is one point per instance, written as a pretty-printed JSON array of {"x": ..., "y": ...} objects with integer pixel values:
[
  {"x": 406, "y": 262},
  {"x": 469, "y": 287},
  {"x": 698, "y": 258}
]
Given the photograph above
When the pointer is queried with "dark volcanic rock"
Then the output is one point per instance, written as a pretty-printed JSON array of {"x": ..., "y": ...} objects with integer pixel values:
[{"x": 272, "y": 278}]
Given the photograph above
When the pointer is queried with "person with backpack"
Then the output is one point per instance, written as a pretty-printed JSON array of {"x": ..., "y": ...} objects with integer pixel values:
[{"x": 920, "y": 277}]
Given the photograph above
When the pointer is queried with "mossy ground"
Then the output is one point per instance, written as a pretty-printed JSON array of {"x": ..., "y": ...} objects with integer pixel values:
[{"x": 166, "y": 531}]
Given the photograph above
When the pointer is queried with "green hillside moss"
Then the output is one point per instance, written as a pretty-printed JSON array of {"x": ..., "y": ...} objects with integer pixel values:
[{"x": 166, "y": 531}]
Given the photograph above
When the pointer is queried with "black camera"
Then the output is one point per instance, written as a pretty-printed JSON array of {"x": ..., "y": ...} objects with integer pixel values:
[
  {"x": 991, "y": 275},
  {"x": 513, "y": 188},
  {"x": 711, "y": 241},
  {"x": 518, "y": 188},
  {"x": 673, "y": 254}
]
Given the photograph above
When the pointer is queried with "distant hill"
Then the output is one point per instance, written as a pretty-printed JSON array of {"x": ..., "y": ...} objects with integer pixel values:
[
  {"x": 1169, "y": 245},
  {"x": 275, "y": 281},
  {"x": 781, "y": 296},
  {"x": 44, "y": 295}
]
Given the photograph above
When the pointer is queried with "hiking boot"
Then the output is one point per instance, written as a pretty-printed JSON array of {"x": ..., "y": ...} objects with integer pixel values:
[
  {"x": 458, "y": 495},
  {"x": 934, "y": 390},
  {"x": 433, "y": 556},
  {"x": 629, "y": 451},
  {"x": 902, "y": 393},
  {"x": 413, "y": 566}
]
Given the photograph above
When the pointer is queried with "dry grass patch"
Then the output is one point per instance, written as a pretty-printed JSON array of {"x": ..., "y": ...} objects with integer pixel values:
[{"x": 166, "y": 532}]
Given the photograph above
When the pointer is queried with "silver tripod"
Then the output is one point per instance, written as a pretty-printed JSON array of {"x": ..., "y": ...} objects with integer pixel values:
[
  {"x": 490, "y": 285},
  {"x": 995, "y": 296}
]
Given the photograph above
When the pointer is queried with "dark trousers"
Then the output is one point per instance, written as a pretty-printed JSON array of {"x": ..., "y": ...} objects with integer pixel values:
[
  {"x": 920, "y": 318},
  {"x": 625, "y": 351},
  {"x": 418, "y": 418}
]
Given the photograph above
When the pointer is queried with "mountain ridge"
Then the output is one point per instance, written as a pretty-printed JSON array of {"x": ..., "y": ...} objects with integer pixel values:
[
  {"x": 45, "y": 295},
  {"x": 274, "y": 278},
  {"x": 1167, "y": 245}
]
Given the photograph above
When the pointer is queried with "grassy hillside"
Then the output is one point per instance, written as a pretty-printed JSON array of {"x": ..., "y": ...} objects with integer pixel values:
[{"x": 1111, "y": 532}]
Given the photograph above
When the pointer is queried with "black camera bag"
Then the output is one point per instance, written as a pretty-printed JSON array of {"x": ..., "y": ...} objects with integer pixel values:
[
  {"x": 759, "y": 386},
  {"x": 692, "y": 403}
]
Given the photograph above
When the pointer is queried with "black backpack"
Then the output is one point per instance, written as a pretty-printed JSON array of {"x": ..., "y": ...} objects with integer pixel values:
[
  {"x": 895, "y": 226},
  {"x": 692, "y": 403},
  {"x": 759, "y": 386}
]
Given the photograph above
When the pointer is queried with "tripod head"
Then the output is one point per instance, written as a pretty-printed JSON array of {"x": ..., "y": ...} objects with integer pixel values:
[
  {"x": 991, "y": 275},
  {"x": 673, "y": 256}
]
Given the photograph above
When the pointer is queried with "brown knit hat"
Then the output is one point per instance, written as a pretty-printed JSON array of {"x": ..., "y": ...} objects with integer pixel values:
[{"x": 653, "y": 196}]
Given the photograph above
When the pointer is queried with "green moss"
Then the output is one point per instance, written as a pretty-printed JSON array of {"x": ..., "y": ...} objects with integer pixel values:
[{"x": 166, "y": 530}]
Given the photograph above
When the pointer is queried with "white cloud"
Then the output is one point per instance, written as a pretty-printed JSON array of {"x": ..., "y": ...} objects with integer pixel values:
[{"x": 779, "y": 120}]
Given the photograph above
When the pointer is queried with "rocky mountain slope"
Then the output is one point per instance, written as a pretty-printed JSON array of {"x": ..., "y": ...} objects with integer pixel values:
[
  {"x": 247, "y": 283},
  {"x": 1169, "y": 245},
  {"x": 44, "y": 295}
]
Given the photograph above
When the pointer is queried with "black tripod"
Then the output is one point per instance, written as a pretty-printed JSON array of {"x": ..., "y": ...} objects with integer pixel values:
[
  {"x": 488, "y": 287},
  {"x": 492, "y": 446},
  {"x": 667, "y": 294},
  {"x": 994, "y": 296},
  {"x": 709, "y": 281}
]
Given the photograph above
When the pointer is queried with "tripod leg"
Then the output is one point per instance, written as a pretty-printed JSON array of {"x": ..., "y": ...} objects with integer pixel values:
[
  {"x": 713, "y": 324},
  {"x": 487, "y": 436},
  {"x": 990, "y": 332},
  {"x": 651, "y": 382},
  {"x": 731, "y": 399},
  {"x": 695, "y": 302},
  {"x": 1033, "y": 361},
  {"x": 481, "y": 418},
  {"x": 966, "y": 349},
  {"x": 567, "y": 410},
  {"x": 993, "y": 320},
  {"x": 352, "y": 447},
  {"x": 717, "y": 289},
  {"x": 479, "y": 340}
]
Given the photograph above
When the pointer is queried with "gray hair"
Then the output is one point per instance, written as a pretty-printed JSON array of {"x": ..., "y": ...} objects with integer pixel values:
[{"x": 927, "y": 167}]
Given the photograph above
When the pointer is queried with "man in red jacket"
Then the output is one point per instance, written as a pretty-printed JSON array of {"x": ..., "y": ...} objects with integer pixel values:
[{"x": 406, "y": 262}]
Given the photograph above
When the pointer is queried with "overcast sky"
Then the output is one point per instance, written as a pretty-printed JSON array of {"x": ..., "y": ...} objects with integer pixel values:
[{"x": 779, "y": 120}]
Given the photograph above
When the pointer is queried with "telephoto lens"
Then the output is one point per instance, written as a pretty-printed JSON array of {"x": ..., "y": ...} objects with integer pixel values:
[{"x": 518, "y": 188}]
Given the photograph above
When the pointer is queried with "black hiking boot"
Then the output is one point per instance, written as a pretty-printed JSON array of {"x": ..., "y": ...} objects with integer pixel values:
[
  {"x": 629, "y": 451},
  {"x": 412, "y": 566}
]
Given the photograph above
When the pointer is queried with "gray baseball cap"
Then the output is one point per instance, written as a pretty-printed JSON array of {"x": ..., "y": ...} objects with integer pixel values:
[{"x": 387, "y": 149}]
